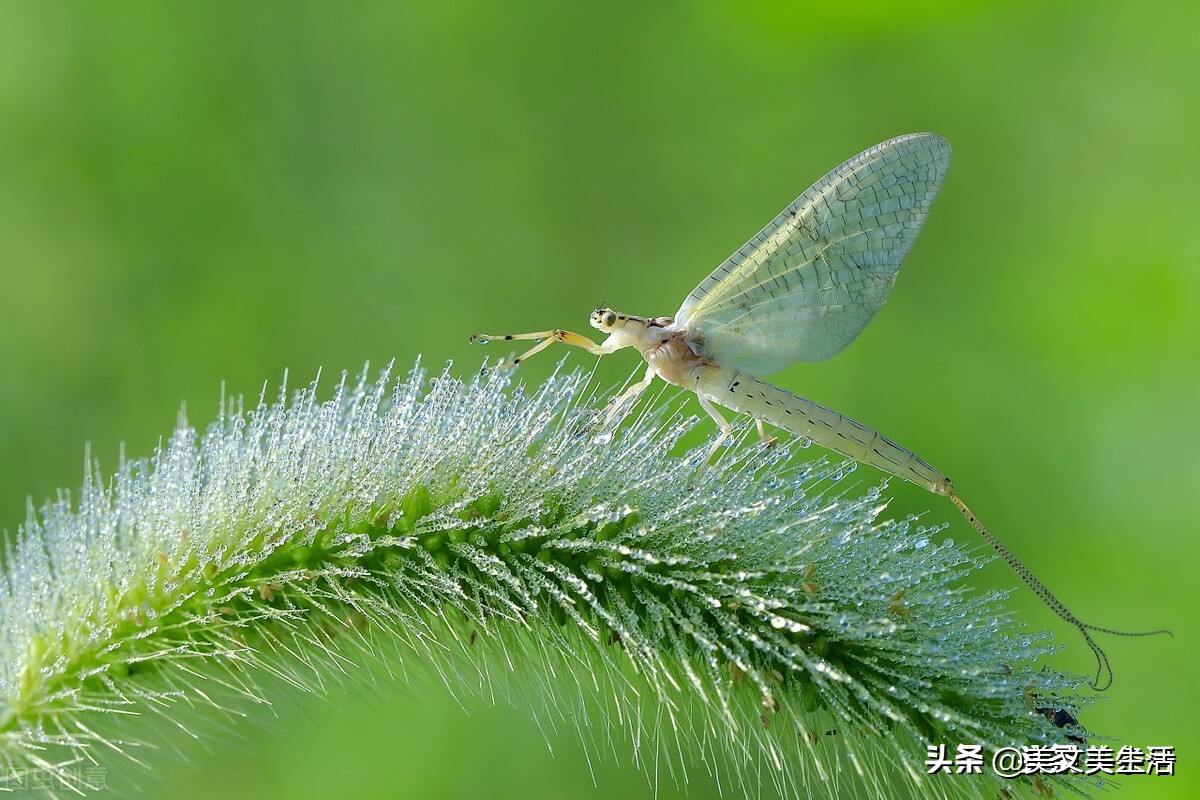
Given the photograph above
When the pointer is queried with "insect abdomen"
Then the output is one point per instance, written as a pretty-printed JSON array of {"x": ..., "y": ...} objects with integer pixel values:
[{"x": 822, "y": 425}]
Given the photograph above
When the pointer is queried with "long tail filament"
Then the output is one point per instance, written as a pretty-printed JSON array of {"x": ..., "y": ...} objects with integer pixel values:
[{"x": 1103, "y": 670}]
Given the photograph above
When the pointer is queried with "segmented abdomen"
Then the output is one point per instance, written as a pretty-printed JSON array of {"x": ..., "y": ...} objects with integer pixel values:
[{"x": 821, "y": 425}]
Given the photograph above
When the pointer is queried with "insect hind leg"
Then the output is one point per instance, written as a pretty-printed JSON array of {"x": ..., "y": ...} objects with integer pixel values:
[
  {"x": 722, "y": 423},
  {"x": 763, "y": 437}
]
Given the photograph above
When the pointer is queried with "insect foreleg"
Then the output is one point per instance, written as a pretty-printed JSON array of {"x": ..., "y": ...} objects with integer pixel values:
[{"x": 544, "y": 339}]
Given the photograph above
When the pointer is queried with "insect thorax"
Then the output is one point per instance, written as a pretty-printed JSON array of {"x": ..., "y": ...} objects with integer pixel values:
[{"x": 675, "y": 358}]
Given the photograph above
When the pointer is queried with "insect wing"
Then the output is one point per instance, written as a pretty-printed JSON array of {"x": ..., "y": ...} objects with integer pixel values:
[{"x": 809, "y": 282}]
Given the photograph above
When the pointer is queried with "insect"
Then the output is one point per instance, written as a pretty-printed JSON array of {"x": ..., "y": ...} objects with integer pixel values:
[{"x": 801, "y": 290}]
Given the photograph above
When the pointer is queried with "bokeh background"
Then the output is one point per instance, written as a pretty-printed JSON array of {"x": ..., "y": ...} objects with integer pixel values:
[{"x": 198, "y": 193}]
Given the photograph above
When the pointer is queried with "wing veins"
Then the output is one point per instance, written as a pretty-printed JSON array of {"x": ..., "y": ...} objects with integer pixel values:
[
  {"x": 805, "y": 285},
  {"x": 781, "y": 235}
]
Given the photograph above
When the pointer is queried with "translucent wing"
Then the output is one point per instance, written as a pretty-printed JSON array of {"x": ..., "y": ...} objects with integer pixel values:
[{"x": 809, "y": 282}]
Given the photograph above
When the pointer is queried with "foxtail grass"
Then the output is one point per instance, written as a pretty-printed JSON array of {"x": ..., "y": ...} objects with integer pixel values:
[{"x": 760, "y": 624}]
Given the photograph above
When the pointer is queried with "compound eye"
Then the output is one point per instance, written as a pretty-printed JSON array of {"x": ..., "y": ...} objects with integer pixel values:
[{"x": 610, "y": 319}]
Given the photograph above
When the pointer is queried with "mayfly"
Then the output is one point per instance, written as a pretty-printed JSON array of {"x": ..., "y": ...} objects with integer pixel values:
[{"x": 801, "y": 290}]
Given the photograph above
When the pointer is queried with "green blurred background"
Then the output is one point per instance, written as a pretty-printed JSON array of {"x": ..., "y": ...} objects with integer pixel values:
[{"x": 207, "y": 192}]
